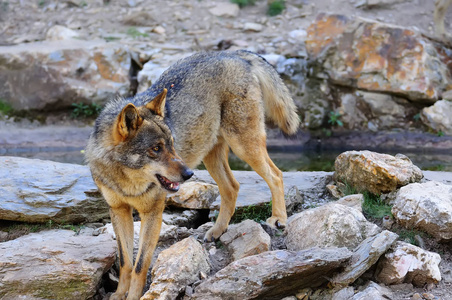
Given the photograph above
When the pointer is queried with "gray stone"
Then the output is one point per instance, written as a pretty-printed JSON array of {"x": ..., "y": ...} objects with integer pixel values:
[
  {"x": 185, "y": 218},
  {"x": 176, "y": 267},
  {"x": 38, "y": 191},
  {"x": 330, "y": 225},
  {"x": 356, "y": 201},
  {"x": 245, "y": 239},
  {"x": 54, "y": 265},
  {"x": 364, "y": 257},
  {"x": 407, "y": 263},
  {"x": 375, "y": 172},
  {"x": 373, "y": 291},
  {"x": 273, "y": 274}
]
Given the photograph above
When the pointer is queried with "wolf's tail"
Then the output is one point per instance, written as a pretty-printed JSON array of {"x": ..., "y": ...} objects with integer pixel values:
[{"x": 278, "y": 103}]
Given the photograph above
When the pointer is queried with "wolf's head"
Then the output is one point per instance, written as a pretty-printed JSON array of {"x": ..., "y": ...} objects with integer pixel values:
[{"x": 140, "y": 148}]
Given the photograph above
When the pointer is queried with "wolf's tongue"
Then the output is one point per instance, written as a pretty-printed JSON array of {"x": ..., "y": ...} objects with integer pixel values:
[{"x": 167, "y": 184}]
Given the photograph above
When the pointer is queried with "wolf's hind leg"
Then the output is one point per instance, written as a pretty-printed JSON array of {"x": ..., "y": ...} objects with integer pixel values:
[
  {"x": 217, "y": 164},
  {"x": 122, "y": 221},
  {"x": 252, "y": 149}
]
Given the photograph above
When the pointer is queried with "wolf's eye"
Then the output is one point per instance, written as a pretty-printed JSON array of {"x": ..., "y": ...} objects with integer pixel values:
[{"x": 156, "y": 149}]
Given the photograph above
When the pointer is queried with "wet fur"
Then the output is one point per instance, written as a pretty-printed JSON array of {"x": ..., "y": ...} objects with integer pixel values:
[{"x": 214, "y": 102}]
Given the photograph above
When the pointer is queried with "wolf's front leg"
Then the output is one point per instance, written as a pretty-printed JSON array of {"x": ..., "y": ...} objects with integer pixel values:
[
  {"x": 122, "y": 221},
  {"x": 151, "y": 222}
]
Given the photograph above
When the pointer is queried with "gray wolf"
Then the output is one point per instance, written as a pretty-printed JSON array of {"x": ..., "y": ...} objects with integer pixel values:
[{"x": 144, "y": 147}]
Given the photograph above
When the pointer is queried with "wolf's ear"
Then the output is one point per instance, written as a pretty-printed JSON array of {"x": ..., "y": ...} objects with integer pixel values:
[
  {"x": 157, "y": 105},
  {"x": 127, "y": 123}
]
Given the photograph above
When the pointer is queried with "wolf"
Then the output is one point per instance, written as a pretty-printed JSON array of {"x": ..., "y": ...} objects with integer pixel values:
[{"x": 143, "y": 147}]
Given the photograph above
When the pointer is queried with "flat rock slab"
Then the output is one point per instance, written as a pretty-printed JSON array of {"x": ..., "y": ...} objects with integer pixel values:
[
  {"x": 273, "y": 274},
  {"x": 54, "y": 264},
  {"x": 37, "y": 191},
  {"x": 255, "y": 191}
]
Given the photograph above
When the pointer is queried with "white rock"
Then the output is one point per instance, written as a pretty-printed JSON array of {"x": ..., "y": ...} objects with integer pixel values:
[
  {"x": 225, "y": 9},
  {"x": 427, "y": 207},
  {"x": 176, "y": 267},
  {"x": 407, "y": 263},
  {"x": 245, "y": 239},
  {"x": 253, "y": 27},
  {"x": 59, "y": 32},
  {"x": 438, "y": 117},
  {"x": 330, "y": 225},
  {"x": 373, "y": 291}
]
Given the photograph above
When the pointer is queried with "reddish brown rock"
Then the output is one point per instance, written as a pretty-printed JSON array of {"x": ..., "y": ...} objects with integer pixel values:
[{"x": 373, "y": 56}]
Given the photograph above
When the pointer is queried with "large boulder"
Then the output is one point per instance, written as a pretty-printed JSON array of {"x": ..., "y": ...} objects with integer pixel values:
[
  {"x": 37, "y": 191},
  {"x": 378, "y": 57},
  {"x": 52, "y": 75},
  {"x": 331, "y": 225},
  {"x": 427, "y": 207},
  {"x": 273, "y": 274},
  {"x": 407, "y": 263},
  {"x": 375, "y": 172},
  {"x": 54, "y": 265}
]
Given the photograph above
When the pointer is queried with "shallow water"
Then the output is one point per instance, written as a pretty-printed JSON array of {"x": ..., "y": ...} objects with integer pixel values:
[{"x": 301, "y": 160}]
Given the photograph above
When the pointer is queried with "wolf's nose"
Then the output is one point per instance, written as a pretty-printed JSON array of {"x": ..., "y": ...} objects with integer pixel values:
[{"x": 187, "y": 174}]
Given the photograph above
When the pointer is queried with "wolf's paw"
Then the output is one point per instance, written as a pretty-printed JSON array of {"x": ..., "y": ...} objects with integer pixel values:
[
  {"x": 213, "y": 234},
  {"x": 117, "y": 296},
  {"x": 276, "y": 222}
]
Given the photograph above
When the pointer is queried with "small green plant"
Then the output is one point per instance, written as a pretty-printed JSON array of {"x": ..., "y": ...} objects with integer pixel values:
[
  {"x": 85, "y": 110},
  {"x": 334, "y": 119},
  {"x": 253, "y": 212},
  {"x": 374, "y": 207},
  {"x": 417, "y": 117},
  {"x": 5, "y": 108},
  {"x": 133, "y": 32},
  {"x": 440, "y": 133},
  {"x": 409, "y": 236},
  {"x": 242, "y": 3},
  {"x": 276, "y": 7}
]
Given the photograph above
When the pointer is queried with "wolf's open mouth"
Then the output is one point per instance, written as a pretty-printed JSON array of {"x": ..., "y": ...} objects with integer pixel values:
[{"x": 167, "y": 184}]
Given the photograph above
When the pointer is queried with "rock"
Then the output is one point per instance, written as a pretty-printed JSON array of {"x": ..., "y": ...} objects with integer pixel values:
[
  {"x": 356, "y": 201},
  {"x": 375, "y": 172},
  {"x": 377, "y": 57},
  {"x": 330, "y": 225},
  {"x": 438, "y": 115},
  {"x": 54, "y": 264},
  {"x": 194, "y": 195},
  {"x": 368, "y": 4},
  {"x": 168, "y": 233},
  {"x": 38, "y": 191},
  {"x": 253, "y": 27},
  {"x": 184, "y": 218},
  {"x": 148, "y": 75},
  {"x": 373, "y": 291},
  {"x": 245, "y": 239},
  {"x": 225, "y": 9},
  {"x": 364, "y": 257},
  {"x": 176, "y": 267},
  {"x": 254, "y": 190},
  {"x": 343, "y": 294},
  {"x": 53, "y": 75},
  {"x": 58, "y": 32},
  {"x": 426, "y": 207},
  {"x": 407, "y": 263},
  {"x": 272, "y": 274}
]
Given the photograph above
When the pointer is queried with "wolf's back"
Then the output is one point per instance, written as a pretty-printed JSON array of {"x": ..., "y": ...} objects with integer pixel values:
[{"x": 278, "y": 103}]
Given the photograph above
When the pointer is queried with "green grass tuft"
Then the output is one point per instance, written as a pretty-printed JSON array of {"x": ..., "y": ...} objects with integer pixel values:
[
  {"x": 243, "y": 3},
  {"x": 374, "y": 207},
  {"x": 85, "y": 110},
  {"x": 276, "y": 7},
  {"x": 253, "y": 212}
]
